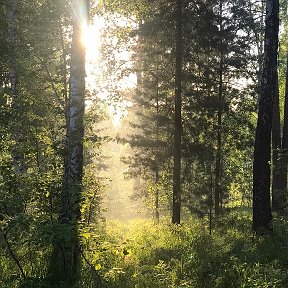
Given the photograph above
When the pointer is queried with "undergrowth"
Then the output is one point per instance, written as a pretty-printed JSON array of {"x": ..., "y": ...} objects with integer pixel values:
[
  {"x": 139, "y": 254},
  {"x": 165, "y": 256}
]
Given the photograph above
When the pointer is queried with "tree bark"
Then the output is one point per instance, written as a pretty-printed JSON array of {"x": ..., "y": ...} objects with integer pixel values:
[
  {"x": 156, "y": 204},
  {"x": 283, "y": 162},
  {"x": 12, "y": 38},
  {"x": 218, "y": 164},
  {"x": 285, "y": 124},
  {"x": 66, "y": 255},
  {"x": 176, "y": 205},
  {"x": 277, "y": 193},
  {"x": 75, "y": 129},
  {"x": 17, "y": 154},
  {"x": 262, "y": 216}
]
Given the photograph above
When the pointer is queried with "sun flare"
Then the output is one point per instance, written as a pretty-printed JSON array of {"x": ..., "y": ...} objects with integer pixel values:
[
  {"x": 92, "y": 41},
  {"x": 91, "y": 38}
]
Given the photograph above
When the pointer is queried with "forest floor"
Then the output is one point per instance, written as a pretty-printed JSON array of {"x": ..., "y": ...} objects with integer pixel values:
[{"x": 139, "y": 254}]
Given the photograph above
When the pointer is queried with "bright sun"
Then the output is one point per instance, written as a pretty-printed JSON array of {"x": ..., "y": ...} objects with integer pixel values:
[{"x": 92, "y": 40}]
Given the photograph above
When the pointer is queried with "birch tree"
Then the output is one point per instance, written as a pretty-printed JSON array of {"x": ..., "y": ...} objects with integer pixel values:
[
  {"x": 73, "y": 169},
  {"x": 66, "y": 267}
]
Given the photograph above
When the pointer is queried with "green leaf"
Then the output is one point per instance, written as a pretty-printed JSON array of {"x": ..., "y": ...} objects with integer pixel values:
[{"x": 86, "y": 235}]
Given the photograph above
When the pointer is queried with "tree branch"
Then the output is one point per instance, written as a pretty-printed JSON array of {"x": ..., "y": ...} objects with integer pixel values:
[{"x": 13, "y": 255}]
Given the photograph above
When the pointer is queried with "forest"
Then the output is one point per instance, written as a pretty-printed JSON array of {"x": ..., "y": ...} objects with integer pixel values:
[{"x": 144, "y": 143}]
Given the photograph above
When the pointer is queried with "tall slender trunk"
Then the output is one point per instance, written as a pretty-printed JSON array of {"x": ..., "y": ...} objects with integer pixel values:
[
  {"x": 262, "y": 216},
  {"x": 156, "y": 204},
  {"x": 284, "y": 146},
  {"x": 12, "y": 38},
  {"x": 285, "y": 124},
  {"x": 75, "y": 129},
  {"x": 277, "y": 193},
  {"x": 218, "y": 164},
  {"x": 176, "y": 205},
  {"x": 139, "y": 90},
  {"x": 65, "y": 74},
  {"x": 211, "y": 199},
  {"x": 65, "y": 260},
  {"x": 17, "y": 154}
]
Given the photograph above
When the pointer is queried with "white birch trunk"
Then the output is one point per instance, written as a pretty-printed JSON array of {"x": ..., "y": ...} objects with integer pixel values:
[
  {"x": 73, "y": 169},
  {"x": 65, "y": 259}
]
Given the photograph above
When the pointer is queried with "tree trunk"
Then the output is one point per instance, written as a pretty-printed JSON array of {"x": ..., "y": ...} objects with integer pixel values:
[
  {"x": 65, "y": 264},
  {"x": 285, "y": 125},
  {"x": 218, "y": 164},
  {"x": 262, "y": 216},
  {"x": 156, "y": 206},
  {"x": 277, "y": 193},
  {"x": 17, "y": 154},
  {"x": 176, "y": 207},
  {"x": 283, "y": 159},
  {"x": 12, "y": 38}
]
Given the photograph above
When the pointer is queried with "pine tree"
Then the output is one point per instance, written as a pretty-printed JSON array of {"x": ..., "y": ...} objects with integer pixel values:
[
  {"x": 176, "y": 208},
  {"x": 261, "y": 167}
]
